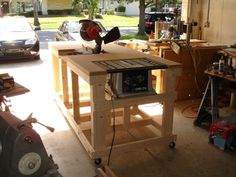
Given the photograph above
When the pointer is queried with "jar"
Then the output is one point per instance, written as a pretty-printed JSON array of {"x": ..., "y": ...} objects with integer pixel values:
[
  {"x": 221, "y": 66},
  {"x": 215, "y": 67}
]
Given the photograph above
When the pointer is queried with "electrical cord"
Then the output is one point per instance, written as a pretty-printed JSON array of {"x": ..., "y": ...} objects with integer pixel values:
[
  {"x": 195, "y": 69},
  {"x": 114, "y": 129}
]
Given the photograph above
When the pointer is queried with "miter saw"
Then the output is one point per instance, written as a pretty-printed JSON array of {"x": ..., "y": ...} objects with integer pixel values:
[
  {"x": 22, "y": 153},
  {"x": 90, "y": 31}
]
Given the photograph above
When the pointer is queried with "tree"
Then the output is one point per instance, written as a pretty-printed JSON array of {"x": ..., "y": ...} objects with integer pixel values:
[
  {"x": 36, "y": 16},
  {"x": 92, "y": 6},
  {"x": 143, "y": 4},
  {"x": 77, "y": 6}
]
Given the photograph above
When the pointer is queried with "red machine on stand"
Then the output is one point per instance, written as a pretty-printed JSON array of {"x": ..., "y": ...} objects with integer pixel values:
[{"x": 223, "y": 135}]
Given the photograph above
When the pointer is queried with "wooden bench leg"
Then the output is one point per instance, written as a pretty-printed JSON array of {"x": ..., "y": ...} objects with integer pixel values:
[{"x": 75, "y": 95}]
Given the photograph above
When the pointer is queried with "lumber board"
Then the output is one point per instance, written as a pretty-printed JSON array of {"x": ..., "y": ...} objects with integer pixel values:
[{"x": 17, "y": 90}]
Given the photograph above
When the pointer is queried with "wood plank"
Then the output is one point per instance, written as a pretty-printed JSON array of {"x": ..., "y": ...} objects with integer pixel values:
[
  {"x": 138, "y": 144},
  {"x": 65, "y": 90},
  {"x": 168, "y": 104},
  {"x": 75, "y": 96},
  {"x": 17, "y": 90},
  {"x": 76, "y": 128},
  {"x": 127, "y": 120},
  {"x": 104, "y": 172},
  {"x": 99, "y": 114},
  {"x": 56, "y": 72}
]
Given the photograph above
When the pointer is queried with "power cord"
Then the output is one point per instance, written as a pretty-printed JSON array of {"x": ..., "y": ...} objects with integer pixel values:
[
  {"x": 193, "y": 59},
  {"x": 113, "y": 121},
  {"x": 114, "y": 130}
]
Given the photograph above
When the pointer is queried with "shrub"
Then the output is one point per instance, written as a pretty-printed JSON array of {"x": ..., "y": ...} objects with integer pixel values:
[
  {"x": 85, "y": 11},
  {"x": 60, "y": 12},
  {"x": 98, "y": 16},
  {"x": 110, "y": 12},
  {"x": 120, "y": 8}
]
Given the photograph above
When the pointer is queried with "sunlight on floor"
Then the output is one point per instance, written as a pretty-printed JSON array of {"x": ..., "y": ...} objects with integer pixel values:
[{"x": 152, "y": 109}]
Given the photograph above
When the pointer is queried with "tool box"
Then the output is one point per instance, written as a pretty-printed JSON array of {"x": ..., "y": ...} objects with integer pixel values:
[
  {"x": 223, "y": 135},
  {"x": 6, "y": 81}
]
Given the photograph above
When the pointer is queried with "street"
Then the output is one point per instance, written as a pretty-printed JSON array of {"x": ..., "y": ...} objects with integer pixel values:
[{"x": 46, "y": 36}]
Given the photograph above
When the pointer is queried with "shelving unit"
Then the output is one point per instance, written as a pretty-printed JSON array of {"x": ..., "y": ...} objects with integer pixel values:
[{"x": 135, "y": 129}]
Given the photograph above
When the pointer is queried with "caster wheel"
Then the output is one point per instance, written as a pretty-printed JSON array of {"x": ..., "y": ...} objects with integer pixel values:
[
  {"x": 231, "y": 148},
  {"x": 98, "y": 161},
  {"x": 172, "y": 145}
]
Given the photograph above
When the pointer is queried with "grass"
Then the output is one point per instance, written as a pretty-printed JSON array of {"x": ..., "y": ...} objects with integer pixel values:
[
  {"x": 107, "y": 21},
  {"x": 134, "y": 36}
]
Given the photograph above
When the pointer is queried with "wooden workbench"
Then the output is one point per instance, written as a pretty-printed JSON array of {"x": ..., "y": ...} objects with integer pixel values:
[
  {"x": 95, "y": 129},
  {"x": 195, "y": 60}
]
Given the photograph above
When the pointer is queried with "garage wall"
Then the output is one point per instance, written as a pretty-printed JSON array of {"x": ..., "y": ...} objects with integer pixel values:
[
  {"x": 220, "y": 27},
  {"x": 59, "y": 4}
]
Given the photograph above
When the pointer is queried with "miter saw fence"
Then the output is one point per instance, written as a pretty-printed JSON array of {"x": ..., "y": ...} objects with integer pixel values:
[
  {"x": 90, "y": 30},
  {"x": 22, "y": 153}
]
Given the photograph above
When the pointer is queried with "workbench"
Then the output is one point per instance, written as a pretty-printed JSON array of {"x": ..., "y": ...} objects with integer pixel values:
[
  {"x": 95, "y": 129},
  {"x": 215, "y": 79},
  {"x": 195, "y": 60}
]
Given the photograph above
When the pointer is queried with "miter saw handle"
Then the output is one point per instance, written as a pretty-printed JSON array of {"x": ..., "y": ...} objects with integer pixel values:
[{"x": 112, "y": 35}]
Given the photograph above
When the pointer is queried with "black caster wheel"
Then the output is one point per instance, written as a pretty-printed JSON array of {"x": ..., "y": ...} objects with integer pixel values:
[
  {"x": 98, "y": 161},
  {"x": 172, "y": 145}
]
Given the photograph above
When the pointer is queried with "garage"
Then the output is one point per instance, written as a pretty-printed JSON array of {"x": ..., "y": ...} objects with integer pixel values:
[{"x": 162, "y": 117}]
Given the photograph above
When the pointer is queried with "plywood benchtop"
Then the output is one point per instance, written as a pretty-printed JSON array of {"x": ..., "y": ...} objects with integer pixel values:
[{"x": 112, "y": 52}]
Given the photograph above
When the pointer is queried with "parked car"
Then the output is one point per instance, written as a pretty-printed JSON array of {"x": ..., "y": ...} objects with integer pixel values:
[
  {"x": 69, "y": 31},
  {"x": 151, "y": 17},
  {"x": 18, "y": 39}
]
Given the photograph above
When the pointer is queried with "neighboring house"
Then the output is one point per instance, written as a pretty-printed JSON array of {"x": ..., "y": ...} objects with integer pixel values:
[
  {"x": 17, "y": 6},
  {"x": 55, "y": 5},
  {"x": 132, "y": 9}
]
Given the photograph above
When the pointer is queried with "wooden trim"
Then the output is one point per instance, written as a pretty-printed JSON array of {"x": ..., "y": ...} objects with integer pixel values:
[{"x": 64, "y": 82}]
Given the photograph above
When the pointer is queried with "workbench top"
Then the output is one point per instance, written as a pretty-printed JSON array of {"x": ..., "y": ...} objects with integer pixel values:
[{"x": 86, "y": 63}]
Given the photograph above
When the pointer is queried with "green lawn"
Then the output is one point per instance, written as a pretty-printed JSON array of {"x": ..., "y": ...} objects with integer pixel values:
[{"x": 107, "y": 21}]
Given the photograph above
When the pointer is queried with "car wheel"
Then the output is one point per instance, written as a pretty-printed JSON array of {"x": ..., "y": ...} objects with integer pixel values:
[{"x": 37, "y": 57}]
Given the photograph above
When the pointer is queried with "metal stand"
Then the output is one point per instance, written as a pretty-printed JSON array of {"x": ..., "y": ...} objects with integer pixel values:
[{"x": 203, "y": 114}]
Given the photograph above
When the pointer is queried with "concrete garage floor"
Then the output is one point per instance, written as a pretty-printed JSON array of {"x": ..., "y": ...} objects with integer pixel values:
[{"x": 193, "y": 157}]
